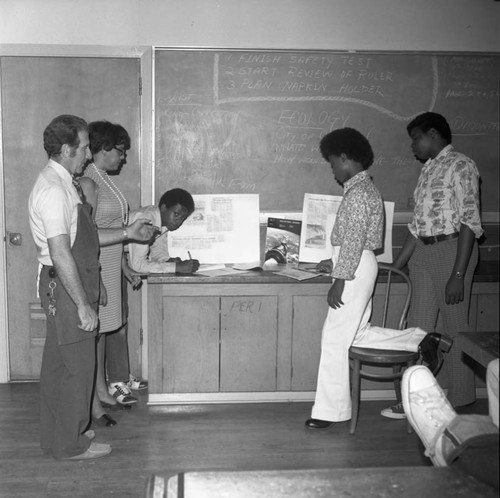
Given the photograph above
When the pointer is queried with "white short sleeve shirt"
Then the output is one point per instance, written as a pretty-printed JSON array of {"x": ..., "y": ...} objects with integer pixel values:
[{"x": 53, "y": 208}]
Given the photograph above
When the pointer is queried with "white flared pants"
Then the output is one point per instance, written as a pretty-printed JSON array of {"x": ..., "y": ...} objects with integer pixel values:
[{"x": 349, "y": 326}]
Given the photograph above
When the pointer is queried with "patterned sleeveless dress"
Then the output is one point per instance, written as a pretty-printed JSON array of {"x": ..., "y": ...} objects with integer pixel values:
[{"x": 111, "y": 208}]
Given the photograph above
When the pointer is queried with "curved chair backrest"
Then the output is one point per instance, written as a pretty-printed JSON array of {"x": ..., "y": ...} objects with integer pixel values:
[{"x": 390, "y": 271}]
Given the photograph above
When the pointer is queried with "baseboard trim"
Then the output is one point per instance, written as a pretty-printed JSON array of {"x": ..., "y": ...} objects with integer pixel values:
[{"x": 265, "y": 397}]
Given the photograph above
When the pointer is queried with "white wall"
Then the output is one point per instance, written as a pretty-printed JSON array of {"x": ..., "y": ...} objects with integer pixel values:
[{"x": 444, "y": 25}]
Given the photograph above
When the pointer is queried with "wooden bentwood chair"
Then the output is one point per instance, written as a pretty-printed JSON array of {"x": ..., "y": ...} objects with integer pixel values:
[{"x": 381, "y": 357}]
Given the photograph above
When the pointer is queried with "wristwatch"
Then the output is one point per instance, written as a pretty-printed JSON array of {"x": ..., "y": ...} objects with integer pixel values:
[{"x": 459, "y": 275}]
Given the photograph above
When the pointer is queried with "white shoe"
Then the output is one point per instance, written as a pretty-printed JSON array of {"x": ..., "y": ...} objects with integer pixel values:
[
  {"x": 95, "y": 450},
  {"x": 136, "y": 384},
  {"x": 427, "y": 409},
  {"x": 121, "y": 392}
]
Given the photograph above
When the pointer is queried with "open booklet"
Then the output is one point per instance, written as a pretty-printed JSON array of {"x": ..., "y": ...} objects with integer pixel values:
[
  {"x": 305, "y": 271},
  {"x": 254, "y": 265},
  {"x": 297, "y": 274}
]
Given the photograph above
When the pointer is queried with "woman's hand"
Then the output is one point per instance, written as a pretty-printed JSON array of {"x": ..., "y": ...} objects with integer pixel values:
[
  {"x": 103, "y": 295},
  {"x": 142, "y": 230},
  {"x": 132, "y": 276},
  {"x": 335, "y": 293},
  {"x": 325, "y": 266}
]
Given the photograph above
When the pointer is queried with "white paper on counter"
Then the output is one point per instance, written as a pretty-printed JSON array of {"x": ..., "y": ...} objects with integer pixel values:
[
  {"x": 218, "y": 272},
  {"x": 297, "y": 274}
]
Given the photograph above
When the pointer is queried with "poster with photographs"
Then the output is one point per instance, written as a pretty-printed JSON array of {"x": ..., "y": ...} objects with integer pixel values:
[
  {"x": 318, "y": 217},
  {"x": 283, "y": 240}
]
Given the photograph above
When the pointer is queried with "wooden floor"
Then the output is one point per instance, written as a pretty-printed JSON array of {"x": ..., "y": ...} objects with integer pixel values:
[{"x": 167, "y": 440}]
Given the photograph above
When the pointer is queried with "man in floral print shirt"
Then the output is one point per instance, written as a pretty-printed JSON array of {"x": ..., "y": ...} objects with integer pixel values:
[{"x": 441, "y": 248}]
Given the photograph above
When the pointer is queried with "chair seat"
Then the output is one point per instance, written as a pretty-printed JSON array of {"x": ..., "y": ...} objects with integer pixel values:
[{"x": 390, "y": 356}]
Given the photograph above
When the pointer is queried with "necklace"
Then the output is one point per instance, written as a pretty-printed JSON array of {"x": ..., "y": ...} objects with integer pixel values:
[{"x": 117, "y": 193}]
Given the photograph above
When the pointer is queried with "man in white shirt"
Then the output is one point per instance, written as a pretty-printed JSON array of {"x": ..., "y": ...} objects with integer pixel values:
[
  {"x": 69, "y": 286},
  {"x": 174, "y": 207}
]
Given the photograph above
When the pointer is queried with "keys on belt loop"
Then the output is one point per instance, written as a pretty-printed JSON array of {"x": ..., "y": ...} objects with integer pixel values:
[{"x": 52, "y": 301}]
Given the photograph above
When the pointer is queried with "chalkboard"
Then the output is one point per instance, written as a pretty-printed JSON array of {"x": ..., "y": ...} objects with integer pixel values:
[{"x": 250, "y": 121}]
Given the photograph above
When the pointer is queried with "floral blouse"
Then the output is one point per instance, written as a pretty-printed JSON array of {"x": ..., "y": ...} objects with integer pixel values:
[{"x": 359, "y": 224}]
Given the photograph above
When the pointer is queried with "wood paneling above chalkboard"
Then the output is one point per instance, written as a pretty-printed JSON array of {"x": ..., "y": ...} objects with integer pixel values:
[{"x": 250, "y": 121}]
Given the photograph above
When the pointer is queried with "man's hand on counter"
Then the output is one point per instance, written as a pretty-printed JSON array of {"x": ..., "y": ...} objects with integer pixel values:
[{"x": 187, "y": 266}]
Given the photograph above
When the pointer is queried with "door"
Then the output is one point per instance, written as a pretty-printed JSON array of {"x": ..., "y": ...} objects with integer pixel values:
[{"x": 33, "y": 91}]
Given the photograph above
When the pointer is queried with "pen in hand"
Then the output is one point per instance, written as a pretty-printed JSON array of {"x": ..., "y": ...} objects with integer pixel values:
[{"x": 196, "y": 263}]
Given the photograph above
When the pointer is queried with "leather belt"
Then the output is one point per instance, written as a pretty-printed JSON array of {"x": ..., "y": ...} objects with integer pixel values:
[{"x": 437, "y": 238}]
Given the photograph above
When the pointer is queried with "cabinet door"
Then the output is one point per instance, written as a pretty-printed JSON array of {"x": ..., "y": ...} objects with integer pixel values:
[
  {"x": 249, "y": 342},
  {"x": 191, "y": 344},
  {"x": 309, "y": 313},
  {"x": 487, "y": 313}
]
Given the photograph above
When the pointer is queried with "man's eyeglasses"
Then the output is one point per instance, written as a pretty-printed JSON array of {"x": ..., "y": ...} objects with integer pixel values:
[{"x": 120, "y": 151}]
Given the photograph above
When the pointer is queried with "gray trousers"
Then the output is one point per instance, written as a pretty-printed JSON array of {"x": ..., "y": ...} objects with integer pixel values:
[
  {"x": 66, "y": 381},
  {"x": 430, "y": 268}
]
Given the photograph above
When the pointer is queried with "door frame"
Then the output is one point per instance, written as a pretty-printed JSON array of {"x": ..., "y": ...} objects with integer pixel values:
[{"x": 146, "y": 157}]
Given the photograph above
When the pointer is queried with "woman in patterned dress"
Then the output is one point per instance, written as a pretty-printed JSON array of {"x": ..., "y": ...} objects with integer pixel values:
[{"x": 108, "y": 144}]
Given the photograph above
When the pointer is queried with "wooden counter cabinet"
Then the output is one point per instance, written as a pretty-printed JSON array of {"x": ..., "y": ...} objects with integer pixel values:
[
  {"x": 252, "y": 338},
  {"x": 220, "y": 343}
]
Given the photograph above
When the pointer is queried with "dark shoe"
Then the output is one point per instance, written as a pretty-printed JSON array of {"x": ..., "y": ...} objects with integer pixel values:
[
  {"x": 395, "y": 411},
  {"x": 104, "y": 420},
  {"x": 116, "y": 407},
  {"x": 432, "y": 347},
  {"x": 315, "y": 423}
]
